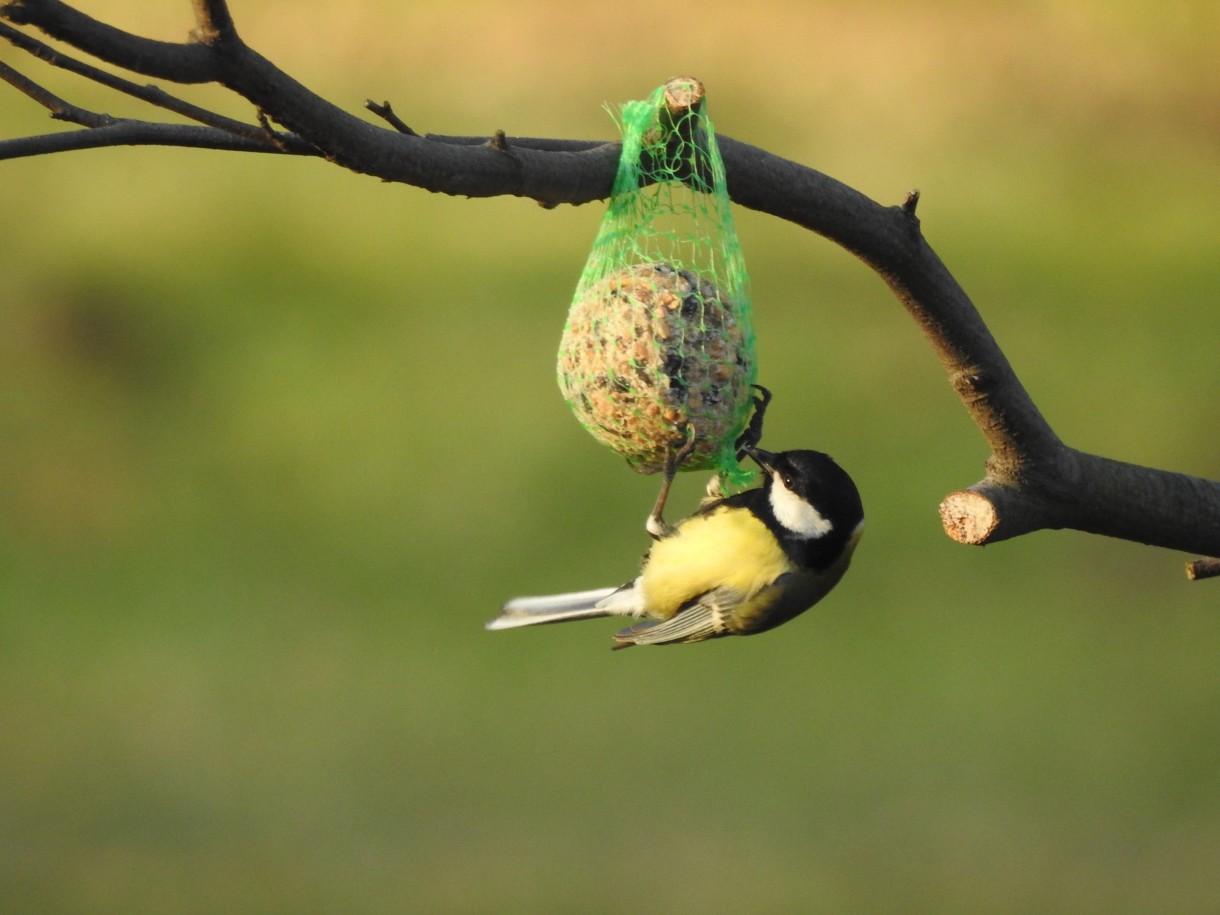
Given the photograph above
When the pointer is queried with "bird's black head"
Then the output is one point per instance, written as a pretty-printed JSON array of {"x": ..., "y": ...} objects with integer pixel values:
[{"x": 812, "y": 498}]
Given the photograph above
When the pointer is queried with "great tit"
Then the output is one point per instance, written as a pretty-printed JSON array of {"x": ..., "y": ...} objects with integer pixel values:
[{"x": 739, "y": 565}]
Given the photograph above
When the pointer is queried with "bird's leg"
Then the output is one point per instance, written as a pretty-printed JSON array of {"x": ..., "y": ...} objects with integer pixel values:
[
  {"x": 752, "y": 434},
  {"x": 656, "y": 525}
]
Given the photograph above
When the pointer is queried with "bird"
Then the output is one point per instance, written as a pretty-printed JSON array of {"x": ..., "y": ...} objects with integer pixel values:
[{"x": 741, "y": 564}]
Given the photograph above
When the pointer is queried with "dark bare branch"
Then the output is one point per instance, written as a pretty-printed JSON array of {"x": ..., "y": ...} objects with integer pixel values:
[
  {"x": 178, "y": 63},
  {"x": 476, "y": 171},
  {"x": 386, "y": 113},
  {"x": 141, "y": 133},
  {"x": 214, "y": 22},
  {"x": 1207, "y": 567},
  {"x": 1092, "y": 494},
  {"x": 154, "y": 95},
  {"x": 1033, "y": 480},
  {"x": 60, "y": 109}
]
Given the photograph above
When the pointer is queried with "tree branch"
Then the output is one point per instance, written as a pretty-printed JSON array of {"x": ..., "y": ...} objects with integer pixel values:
[
  {"x": 1033, "y": 480},
  {"x": 1207, "y": 567},
  {"x": 154, "y": 95},
  {"x": 140, "y": 133},
  {"x": 178, "y": 63},
  {"x": 215, "y": 22},
  {"x": 60, "y": 110}
]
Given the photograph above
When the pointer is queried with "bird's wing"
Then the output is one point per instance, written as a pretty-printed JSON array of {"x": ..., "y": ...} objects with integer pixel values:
[
  {"x": 725, "y": 611},
  {"x": 706, "y": 617}
]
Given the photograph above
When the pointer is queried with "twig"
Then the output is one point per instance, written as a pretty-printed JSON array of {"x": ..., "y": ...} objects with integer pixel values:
[
  {"x": 142, "y": 133},
  {"x": 386, "y": 113},
  {"x": 685, "y": 153},
  {"x": 269, "y": 133},
  {"x": 60, "y": 109},
  {"x": 154, "y": 95},
  {"x": 214, "y": 22},
  {"x": 1206, "y": 567}
]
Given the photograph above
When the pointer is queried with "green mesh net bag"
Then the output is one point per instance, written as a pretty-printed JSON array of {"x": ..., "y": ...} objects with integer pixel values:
[{"x": 658, "y": 344}]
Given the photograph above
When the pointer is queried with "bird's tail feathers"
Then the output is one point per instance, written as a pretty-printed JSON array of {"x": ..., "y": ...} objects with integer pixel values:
[{"x": 551, "y": 608}]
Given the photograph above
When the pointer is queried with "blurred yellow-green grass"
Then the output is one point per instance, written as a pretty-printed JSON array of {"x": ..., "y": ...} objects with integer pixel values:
[{"x": 276, "y": 439}]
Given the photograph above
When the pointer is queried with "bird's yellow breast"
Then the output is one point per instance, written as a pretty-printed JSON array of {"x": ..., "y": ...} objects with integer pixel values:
[{"x": 724, "y": 548}]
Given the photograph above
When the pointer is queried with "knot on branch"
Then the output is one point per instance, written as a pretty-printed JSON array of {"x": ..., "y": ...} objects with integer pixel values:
[{"x": 973, "y": 384}]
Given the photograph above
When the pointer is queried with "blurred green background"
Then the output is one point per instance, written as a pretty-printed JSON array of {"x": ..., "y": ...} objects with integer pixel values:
[{"x": 277, "y": 439}]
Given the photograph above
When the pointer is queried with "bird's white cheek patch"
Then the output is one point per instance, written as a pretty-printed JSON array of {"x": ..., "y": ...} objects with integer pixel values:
[{"x": 796, "y": 514}]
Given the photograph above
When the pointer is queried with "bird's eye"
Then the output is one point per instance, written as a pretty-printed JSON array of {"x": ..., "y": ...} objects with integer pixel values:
[{"x": 787, "y": 480}]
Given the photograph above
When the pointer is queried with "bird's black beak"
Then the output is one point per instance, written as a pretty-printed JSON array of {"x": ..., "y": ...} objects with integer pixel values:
[{"x": 764, "y": 459}]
